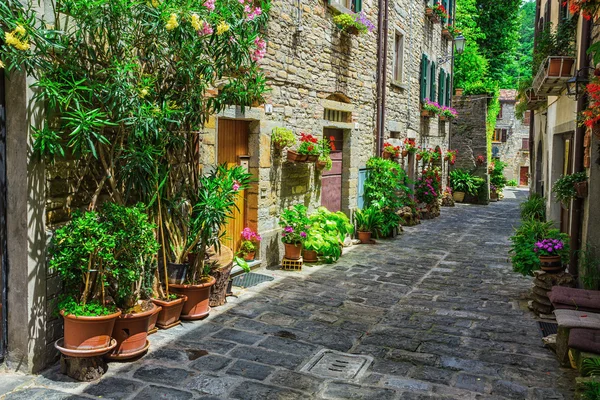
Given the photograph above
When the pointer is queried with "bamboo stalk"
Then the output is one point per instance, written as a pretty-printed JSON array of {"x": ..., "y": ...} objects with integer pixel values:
[
  {"x": 162, "y": 238},
  {"x": 87, "y": 281}
]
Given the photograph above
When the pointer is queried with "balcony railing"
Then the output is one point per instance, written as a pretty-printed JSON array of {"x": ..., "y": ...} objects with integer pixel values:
[
  {"x": 534, "y": 101},
  {"x": 553, "y": 75}
]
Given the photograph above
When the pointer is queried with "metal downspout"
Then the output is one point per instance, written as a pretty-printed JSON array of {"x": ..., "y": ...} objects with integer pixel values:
[
  {"x": 379, "y": 61},
  {"x": 384, "y": 76}
]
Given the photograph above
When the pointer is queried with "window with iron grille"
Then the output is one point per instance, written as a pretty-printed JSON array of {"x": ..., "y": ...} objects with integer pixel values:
[{"x": 337, "y": 115}]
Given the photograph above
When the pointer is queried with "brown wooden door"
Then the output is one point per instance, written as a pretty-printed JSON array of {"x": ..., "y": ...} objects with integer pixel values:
[
  {"x": 331, "y": 184},
  {"x": 232, "y": 143},
  {"x": 523, "y": 176}
]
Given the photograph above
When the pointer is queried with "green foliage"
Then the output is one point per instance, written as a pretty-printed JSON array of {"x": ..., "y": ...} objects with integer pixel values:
[
  {"x": 589, "y": 267},
  {"x": 555, "y": 42},
  {"x": 512, "y": 183},
  {"x": 350, "y": 23},
  {"x": 464, "y": 181},
  {"x": 428, "y": 187},
  {"x": 534, "y": 208},
  {"x": 283, "y": 137},
  {"x": 294, "y": 221},
  {"x": 564, "y": 187},
  {"x": 524, "y": 259},
  {"x": 524, "y": 52},
  {"x": 369, "y": 219},
  {"x": 386, "y": 188},
  {"x": 592, "y": 391},
  {"x": 91, "y": 309},
  {"x": 336, "y": 223},
  {"x": 491, "y": 119},
  {"x": 497, "y": 179},
  {"x": 590, "y": 367},
  {"x": 324, "y": 242},
  {"x": 247, "y": 247}
]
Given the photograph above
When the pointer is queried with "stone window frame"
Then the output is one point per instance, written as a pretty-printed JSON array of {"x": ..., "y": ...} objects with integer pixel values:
[{"x": 398, "y": 33}]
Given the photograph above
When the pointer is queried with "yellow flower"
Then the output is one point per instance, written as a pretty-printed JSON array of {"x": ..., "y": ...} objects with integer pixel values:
[
  {"x": 24, "y": 46},
  {"x": 1, "y": 65},
  {"x": 19, "y": 30},
  {"x": 222, "y": 27},
  {"x": 10, "y": 39},
  {"x": 155, "y": 3},
  {"x": 143, "y": 93},
  {"x": 172, "y": 22},
  {"x": 196, "y": 22}
]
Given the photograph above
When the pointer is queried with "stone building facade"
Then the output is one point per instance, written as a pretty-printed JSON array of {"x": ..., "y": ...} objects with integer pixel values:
[{"x": 511, "y": 139}]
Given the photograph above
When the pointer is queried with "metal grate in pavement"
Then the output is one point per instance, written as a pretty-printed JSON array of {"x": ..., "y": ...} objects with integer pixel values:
[
  {"x": 547, "y": 328},
  {"x": 251, "y": 279},
  {"x": 333, "y": 364}
]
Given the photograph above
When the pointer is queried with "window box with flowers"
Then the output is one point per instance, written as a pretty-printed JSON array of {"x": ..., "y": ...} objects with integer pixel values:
[
  {"x": 390, "y": 151},
  {"x": 430, "y": 109},
  {"x": 309, "y": 147},
  {"x": 354, "y": 24},
  {"x": 410, "y": 147},
  {"x": 449, "y": 32},
  {"x": 451, "y": 156},
  {"x": 436, "y": 13},
  {"x": 447, "y": 113},
  {"x": 325, "y": 148}
]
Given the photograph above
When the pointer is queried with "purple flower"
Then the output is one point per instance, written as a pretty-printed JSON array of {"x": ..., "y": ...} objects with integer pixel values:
[
  {"x": 303, "y": 234},
  {"x": 289, "y": 229}
]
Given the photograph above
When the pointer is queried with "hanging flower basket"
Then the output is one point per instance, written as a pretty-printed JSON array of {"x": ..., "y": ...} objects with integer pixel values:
[
  {"x": 446, "y": 34},
  {"x": 294, "y": 156},
  {"x": 431, "y": 15},
  {"x": 427, "y": 113},
  {"x": 582, "y": 189}
]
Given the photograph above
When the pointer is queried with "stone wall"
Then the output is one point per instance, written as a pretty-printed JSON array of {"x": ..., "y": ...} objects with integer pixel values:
[
  {"x": 512, "y": 151},
  {"x": 468, "y": 134}
]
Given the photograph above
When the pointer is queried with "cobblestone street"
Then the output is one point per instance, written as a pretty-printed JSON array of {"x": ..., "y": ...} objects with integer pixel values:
[{"x": 438, "y": 309}]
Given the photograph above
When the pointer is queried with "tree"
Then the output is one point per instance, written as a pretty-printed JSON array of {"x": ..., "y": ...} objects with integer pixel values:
[{"x": 471, "y": 67}]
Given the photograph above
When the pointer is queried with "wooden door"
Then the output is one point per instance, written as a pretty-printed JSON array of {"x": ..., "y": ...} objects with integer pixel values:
[
  {"x": 331, "y": 183},
  {"x": 232, "y": 143},
  {"x": 523, "y": 176}
]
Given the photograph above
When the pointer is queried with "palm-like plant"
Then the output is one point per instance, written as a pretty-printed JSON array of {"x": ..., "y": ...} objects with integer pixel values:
[{"x": 369, "y": 219}]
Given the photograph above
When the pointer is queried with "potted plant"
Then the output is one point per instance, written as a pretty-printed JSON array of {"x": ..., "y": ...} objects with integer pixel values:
[
  {"x": 430, "y": 109},
  {"x": 493, "y": 193},
  {"x": 566, "y": 187},
  {"x": 249, "y": 244},
  {"x": 135, "y": 250},
  {"x": 462, "y": 182},
  {"x": 325, "y": 148},
  {"x": 368, "y": 222},
  {"x": 282, "y": 138},
  {"x": 428, "y": 186},
  {"x": 309, "y": 146},
  {"x": 326, "y": 234},
  {"x": 390, "y": 151},
  {"x": 410, "y": 147},
  {"x": 425, "y": 155},
  {"x": 551, "y": 252},
  {"x": 480, "y": 160},
  {"x": 451, "y": 156},
  {"x": 354, "y": 24},
  {"x": 88, "y": 317},
  {"x": 448, "y": 113},
  {"x": 293, "y": 221}
]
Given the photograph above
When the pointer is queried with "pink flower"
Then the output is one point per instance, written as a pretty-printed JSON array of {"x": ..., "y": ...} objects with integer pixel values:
[
  {"x": 209, "y": 4},
  {"x": 236, "y": 186}
]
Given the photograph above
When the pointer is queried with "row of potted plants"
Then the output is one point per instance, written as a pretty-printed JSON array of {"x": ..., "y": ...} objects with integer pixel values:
[
  {"x": 431, "y": 108},
  {"x": 311, "y": 149},
  {"x": 427, "y": 155}
]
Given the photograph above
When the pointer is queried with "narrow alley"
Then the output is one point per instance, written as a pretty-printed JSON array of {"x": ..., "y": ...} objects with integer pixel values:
[{"x": 438, "y": 311}]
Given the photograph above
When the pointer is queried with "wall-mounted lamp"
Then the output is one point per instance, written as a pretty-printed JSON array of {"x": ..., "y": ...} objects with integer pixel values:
[
  {"x": 459, "y": 47},
  {"x": 576, "y": 84}
]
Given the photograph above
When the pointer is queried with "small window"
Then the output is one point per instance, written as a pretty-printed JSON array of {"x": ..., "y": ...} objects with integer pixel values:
[
  {"x": 525, "y": 144},
  {"x": 354, "y": 5},
  {"x": 398, "y": 57},
  {"x": 500, "y": 112},
  {"x": 500, "y": 135},
  {"x": 394, "y": 135}
]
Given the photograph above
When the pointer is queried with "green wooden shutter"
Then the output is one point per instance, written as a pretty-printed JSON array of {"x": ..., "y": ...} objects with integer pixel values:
[
  {"x": 448, "y": 89},
  {"x": 445, "y": 4},
  {"x": 424, "y": 68},
  {"x": 357, "y": 6},
  {"x": 442, "y": 93},
  {"x": 432, "y": 92},
  {"x": 450, "y": 12}
]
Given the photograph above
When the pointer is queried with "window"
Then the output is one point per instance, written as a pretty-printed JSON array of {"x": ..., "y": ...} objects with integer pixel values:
[
  {"x": 424, "y": 80},
  {"x": 398, "y": 57},
  {"x": 500, "y": 135},
  {"x": 525, "y": 144},
  {"x": 432, "y": 75},
  {"x": 500, "y": 112},
  {"x": 394, "y": 135},
  {"x": 354, "y": 5},
  {"x": 442, "y": 88}
]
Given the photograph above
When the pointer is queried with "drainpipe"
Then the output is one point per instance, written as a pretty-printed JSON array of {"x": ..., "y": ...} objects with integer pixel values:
[
  {"x": 532, "y": 170},
  {"x": 577, "y": 204},
  {"x": 382, "y": 19}
]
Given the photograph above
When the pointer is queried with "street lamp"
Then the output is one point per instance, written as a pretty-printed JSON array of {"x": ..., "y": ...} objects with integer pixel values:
[
  {"x": 459, "y": 43},
  {"x": 576, "y": 84}
]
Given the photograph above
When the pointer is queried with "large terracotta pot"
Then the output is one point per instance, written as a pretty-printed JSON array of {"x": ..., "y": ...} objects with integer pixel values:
[
  {"x": 293, "y": 251},
  {"x": 152, "y": 325},
  {"x": 364, "y": 237},
  {"x": 88, "y": 333},
  {"x": 170, "y": 312},
  {"x": 131, "y": 334},
  {"x": 197, "y": 304},
  {"x": 551, "y": 264},
  {"x": 309, "y": 256},
  {"x": 458, "y": 196},
  {"x": 555, "y": 69}
]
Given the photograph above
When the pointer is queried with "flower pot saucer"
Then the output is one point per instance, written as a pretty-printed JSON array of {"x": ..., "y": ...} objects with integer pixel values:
[
  {"x": 170, "y": 325},
  {"x": 127, "y": 356},
  {"x": 84, "y": 353},
  {"x": 152, "y": 331},
  {"x": 195, "y": 316}
]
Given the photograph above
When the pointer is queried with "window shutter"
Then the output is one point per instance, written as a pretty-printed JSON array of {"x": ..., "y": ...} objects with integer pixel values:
[
  {"x": 448, "y": 89},
  {"x": 450, "y": 12},
  {"x": 424, "y": 67},
  {"x": 442, "y": 93},
  {"x": 504, "y": 135},
  {"x": 357, "y": 6},
  {"x": 445, "y": 4},
  {"x": 432, "y": 92}
]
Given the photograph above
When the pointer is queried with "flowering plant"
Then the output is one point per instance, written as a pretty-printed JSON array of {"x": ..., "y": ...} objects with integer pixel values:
[
  {"x": 549, "y": 247},
  {"x": 591, "y": 115},
  {"x": 354, "y": 23},
  {"x": 451, "y": 156},
  {"x": 294, "y": 222},
  {"x": 432, "y": 106},
  {"x": 448, "y": 112},
  {"x": 480, "y": 159},
  {"x": 410, "y": 145},
  {"x": 391, "y": 149},
  {"x": 308, "y": 144},
  {"x": 428, "y": 186},
  {"x": 325, "y": 148},
  {"x": 249, "y": 243},
  {"x": 454, "y": 32},
  {"x": 283, "y": 137},
  {"x": 587, "y": 8},
  {"x": 427, "y": 155},
  {"x": 440, "y": 11}
]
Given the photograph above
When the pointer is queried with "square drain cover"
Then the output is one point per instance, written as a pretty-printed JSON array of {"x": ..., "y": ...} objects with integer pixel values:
[{"x": 333, "y": 364}]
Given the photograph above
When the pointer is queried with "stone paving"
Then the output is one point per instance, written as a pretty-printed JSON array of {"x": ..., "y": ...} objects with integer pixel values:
[{"x": 438, "y": 309}]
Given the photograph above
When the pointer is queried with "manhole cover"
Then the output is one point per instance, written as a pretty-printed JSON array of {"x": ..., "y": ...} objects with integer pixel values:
[
  {"x": 251, "y": 279},
  {"x": 333, "y": 364}
]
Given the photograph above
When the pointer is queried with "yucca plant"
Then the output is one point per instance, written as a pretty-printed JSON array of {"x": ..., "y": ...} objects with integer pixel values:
[{"x": 369, "y": 219}]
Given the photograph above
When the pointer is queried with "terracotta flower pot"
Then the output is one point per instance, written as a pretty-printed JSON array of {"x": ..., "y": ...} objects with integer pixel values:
[
  {"x": 386, "y": 155},
  {"x": 177, "y": 272},
  {"x": 88, "y": 333},
  {"x": 309, "y": 256},
  {"x": 404, "y": 153},
  {"x": 560, "y": 67},
  {"x": 459, "y": 197},
  {"x": 551, "y": 263},
  {"x": 249, "y": 256},
  {"x": 152, "y": 325},
  {"x": 170, "y": 312},
  {"x": 294, "y": 156},
  {"x": 197, "y": 304},
  {"x": 293, "y": 251},
  {"x": 321, "y": 164},
  {"x": 312, "y": 158},
  {"x": 419, "y": 156},
  {"x": 581, "y": 188},
  {"x": 364, "y": 237},
  {"x": 426, "y": 114},
  {"x": 444, "y": 118},
  {"x": 131, "y": 334}
]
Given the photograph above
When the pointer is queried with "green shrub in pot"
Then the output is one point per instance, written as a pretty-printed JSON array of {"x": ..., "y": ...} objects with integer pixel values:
[
  {"x": 369, "y": 219},
  {"x": 464, "y": 181},
  {"x": 564, "y": 187}
]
